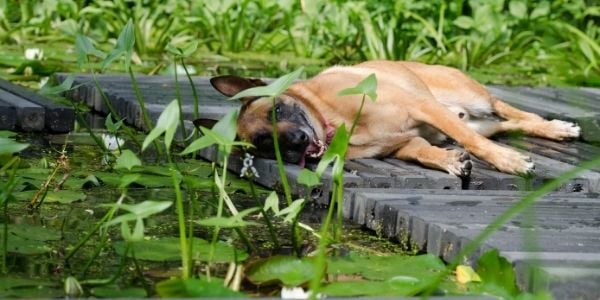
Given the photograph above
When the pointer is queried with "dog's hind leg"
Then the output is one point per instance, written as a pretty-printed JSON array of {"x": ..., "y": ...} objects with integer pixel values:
[
  {"x": 452, "y": 161},
  {"x": 531, "y": 124}
]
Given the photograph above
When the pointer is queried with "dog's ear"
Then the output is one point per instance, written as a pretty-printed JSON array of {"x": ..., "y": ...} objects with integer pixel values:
[
  {"x": 208, "y": 123},
  {"x": 230, "y": 85}
]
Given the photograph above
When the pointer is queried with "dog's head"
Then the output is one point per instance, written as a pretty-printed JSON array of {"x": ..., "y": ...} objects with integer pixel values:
[{"x": 301, "y": 130}]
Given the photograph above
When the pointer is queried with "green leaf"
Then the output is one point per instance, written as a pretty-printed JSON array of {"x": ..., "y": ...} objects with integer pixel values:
[
  {"x": 336, "y": 152},
  {"x": 9, "y": 146},
  {"x": 291, "y": 211},
  {"x": 367, "y": 86},
  {"x": 124, "y": 45},
  {"x": 85, "y": 47},
  {"x": 110, "y": 125},
  {"x": 127, "y": 179},
  {"x": 464, "y": 22},
  {"x": 189, "y": 288},
  {"x": 227, "y": 126},
  {"x": 114, "y": 292},
  {"x": 541, "y": 9},
  {"x": 496, "y": 270},
  {"x": 168, "y": 249},
  {"x": 276, "y": 88},
  {"x": 62, "y": 196},
  {"x": 167, "y": 123},
  {"x": 308, "y": 178},
  {"x": 288, "y": 270},
  {"x": 230, "y": 222},
  {"x": 406, "y": 286},
  {"x": 127, "y": 160},
  {"x": 66, "y": 85},
  {"x": 140, "y": 210},
  {"x": 421, "y": 267},
  {"x": 199, "y": 144},
  {"x": 7, "y": 134},
  {"x": 272, "y": 203},
  {"x": 183, "y": 52},
  {"x": 518, "y": 9}
]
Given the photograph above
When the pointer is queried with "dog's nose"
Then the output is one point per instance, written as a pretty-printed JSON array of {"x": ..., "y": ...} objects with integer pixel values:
[{"x": 297, "y": 137}]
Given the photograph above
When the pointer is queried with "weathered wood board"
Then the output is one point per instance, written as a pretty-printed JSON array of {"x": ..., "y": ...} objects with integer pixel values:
[{"x": 24, "y": 110}]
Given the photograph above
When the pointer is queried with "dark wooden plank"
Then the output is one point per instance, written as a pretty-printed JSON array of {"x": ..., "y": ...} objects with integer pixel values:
[
  {"x": 8, "y": 116},
  {"x": 30, "y": 116},
  {"x": 57, "y": 117}
]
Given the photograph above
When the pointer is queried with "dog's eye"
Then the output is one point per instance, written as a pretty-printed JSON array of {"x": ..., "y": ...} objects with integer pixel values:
[{"x": 278, "y": 111}]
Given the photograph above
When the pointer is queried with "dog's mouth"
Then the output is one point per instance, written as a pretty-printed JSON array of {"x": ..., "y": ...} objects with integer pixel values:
[{"x": 317, "y": 147}]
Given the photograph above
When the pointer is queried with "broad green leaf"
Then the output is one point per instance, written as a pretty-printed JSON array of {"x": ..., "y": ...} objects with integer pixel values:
[
  {"x": 288, "y": 270},
  {"x": 308, "y": 178},
  {"x": 167, "y": 249},
  {"x": 199, "y": 144},
  {"x": 407, "y": 286},
  {"x": 141, "y": 210},
  {"x": 127, "y": 179},
  {"x": 291, "y": 211},
  {"x": 127, "y": 160},
  {"x": 167, "y": 123},
  {"x": 7, "y": 134},
  {"x": 464, "y": 22},
  {"x": 276, "y": 88},
  {"x": 227, "y": 126},
  {"x": 36, "y": 233},
  {"x": 367, "y": 86},
  {"x": 496, "y": 270},
  {"x": 115, "y": 292},
  {"x": 110, "y": 125},
  {"x": 421, "y": 267},
  {"x": 23, "y": 245},
  {"x": 124, "y": 45},
  {"x": 9, "y": 146},
  {"x": 336, "y": 152},
  {"x": 62, "y": 196},
  {"x": 272, "y": 203},
  {"x": 11, "y": 282},
  {"x": 183, "y": 51},
  {"x": 230, "y": 222},
  {"x": 541, "y": 9},
  {"x": 192, "y": 288},
  {"x": 85, "y": 47},
  {"x": 518, "y": 8},
  {"x": 64, "y": 86}
]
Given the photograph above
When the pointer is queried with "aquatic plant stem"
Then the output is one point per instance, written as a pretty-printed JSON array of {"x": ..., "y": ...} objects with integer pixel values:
[
  {"x": 6, "y": 194},
  {"x": 280, "y": 166},
  {"x": 178, "y": 98},
  {"x": 145, "y": 117},
  {"x": 183, "y": 241},
  {"x": 272, "y": 231}
]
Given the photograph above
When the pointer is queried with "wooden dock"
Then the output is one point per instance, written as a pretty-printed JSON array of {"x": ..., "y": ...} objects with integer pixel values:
[
  {"x": 24, "y": 110},
  {"x": 440, "y": 213}
]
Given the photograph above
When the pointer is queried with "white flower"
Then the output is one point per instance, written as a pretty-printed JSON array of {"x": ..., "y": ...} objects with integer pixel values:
[
  {"x": 248, "y": 169},
  {"x": 293, "y": 293},
  {"x": 34, "y": 53},
  {"x": 111, "y": 142}
]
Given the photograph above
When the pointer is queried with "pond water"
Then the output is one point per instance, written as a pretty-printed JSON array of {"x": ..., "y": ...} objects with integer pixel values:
[{"x": 43, "y": 238}]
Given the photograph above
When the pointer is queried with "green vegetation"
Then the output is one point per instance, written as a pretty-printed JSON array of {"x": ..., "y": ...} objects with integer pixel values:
[
  {"x": 497, "y": 41},
  {"x": 190, "y": 238}
]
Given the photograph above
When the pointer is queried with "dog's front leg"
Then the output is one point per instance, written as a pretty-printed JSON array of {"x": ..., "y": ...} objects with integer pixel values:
[
  {"x": 504, "y": 159},
  {"x": 452, "y": 161}
]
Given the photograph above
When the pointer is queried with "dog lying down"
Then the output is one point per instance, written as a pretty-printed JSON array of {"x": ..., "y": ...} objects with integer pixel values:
[{"x": 417, "y": 106}]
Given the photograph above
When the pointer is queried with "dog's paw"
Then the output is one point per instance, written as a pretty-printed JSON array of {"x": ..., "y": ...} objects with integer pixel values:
[
  {"x": 512, "y": 162},
  {"x": 459, "y": 163},
  {"x": 561, "y": 130}
]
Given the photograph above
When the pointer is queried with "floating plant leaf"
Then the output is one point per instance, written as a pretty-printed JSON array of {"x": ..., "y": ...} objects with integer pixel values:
[
  {"x": 115, "y": 292},
  {"x": 188, "y": 288},
  {"x": 386, "y": 267},
  {"x": 167, "y": 249},
  {"x": 288, "y": 270},
  {"x": 62, "y": 196},
  {"x": 127, "y": 160},
  {"x": 393, "y": 287}
]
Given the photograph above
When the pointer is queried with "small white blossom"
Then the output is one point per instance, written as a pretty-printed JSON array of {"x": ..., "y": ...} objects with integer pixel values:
[
  {"x": 248, "y": 170},
  {"x": 296, "y": 293},
  {"x": 111, "y": 142},
  {"x": 34, "y": 53},
  {"x": 89, "y": 211}
]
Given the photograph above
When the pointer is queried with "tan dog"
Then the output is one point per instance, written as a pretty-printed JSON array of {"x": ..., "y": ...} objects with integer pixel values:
[{"x": 417, "y": 105}]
